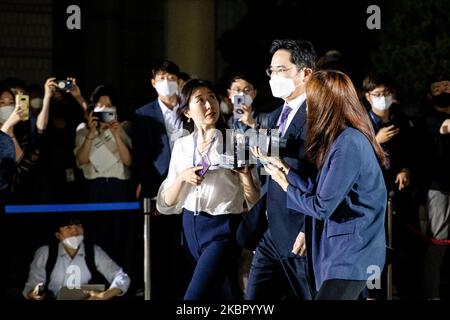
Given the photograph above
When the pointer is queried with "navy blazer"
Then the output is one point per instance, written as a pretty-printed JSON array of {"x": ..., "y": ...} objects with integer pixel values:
[
  {"x": 151, "y": 147},
  {"x": 284, "y": 223},
  {"x": 348, "y": 204}
]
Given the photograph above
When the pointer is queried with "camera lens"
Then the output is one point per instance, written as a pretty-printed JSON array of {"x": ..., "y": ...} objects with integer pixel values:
[{"x": 61, "y": 84}]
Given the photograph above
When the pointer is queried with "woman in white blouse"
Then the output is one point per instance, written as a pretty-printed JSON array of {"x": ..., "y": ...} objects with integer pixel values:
[
  {"x": 210, "y": 198},
  {"x": 102, "y": 150}
]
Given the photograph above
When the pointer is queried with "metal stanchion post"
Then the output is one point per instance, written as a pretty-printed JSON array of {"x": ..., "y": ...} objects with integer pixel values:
[
  {"x": 147, "y": 266},
  {"x": 389, "y": 226}
]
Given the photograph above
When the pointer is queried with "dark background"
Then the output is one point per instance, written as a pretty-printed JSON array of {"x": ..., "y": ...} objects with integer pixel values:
[{"x": 119, "y": 40}]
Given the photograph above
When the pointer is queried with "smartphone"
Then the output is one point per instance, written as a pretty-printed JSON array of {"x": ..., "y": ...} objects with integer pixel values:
[
  {"x": 64, "y": 85},
  {"x": 205, "y": 164},
  {"x": 41, "y": 290},
  {"x": 105, "y": 116},
  {"x": 237, "y": 108},
  {"x": 23, "y": 101}
]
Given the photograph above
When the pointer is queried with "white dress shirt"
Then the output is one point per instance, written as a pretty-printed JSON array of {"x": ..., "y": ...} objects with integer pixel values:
[
  {"x": 295, "y": 106},
  {"x": 172, "y": 123},
  {"x": 63, "y": 272},
  {"x": 220, "y": 192}
]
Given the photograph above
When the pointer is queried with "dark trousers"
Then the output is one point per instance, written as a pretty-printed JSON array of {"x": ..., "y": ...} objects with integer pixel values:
[
  {"x": 336, "y": 289},
  {"x": 211, "y": 241},
  {"x": 274, "y": 276}
]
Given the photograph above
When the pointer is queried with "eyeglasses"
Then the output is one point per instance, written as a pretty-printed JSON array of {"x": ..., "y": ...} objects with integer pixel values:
[
  {"x": 270, "y": 71},
  {"x": 245, "y": 90},
  {"x": 381, "y": 94}
]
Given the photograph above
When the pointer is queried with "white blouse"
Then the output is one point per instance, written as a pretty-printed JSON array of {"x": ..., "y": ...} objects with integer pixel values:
[
  {"x": 104, "y": 159},
  {"x": 220, "y": 192}
]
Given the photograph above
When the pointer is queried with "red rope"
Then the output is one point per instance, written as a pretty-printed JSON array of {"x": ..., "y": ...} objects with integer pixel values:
[{"x": 425, "y": 239}]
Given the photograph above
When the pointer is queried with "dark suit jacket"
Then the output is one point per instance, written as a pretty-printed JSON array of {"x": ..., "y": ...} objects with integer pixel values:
[
  {"x": 284, "y": 224},
  {"x": 7, "y": 164},
  {"x": 348, "y": 204},
  {"x": 151, "y": 148}
]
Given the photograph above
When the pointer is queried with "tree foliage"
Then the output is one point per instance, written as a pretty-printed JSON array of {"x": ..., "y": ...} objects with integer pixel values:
[{"x": 413, "y": 45}]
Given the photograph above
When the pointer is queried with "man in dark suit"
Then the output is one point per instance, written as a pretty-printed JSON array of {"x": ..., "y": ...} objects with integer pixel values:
[
  {"x": 280, "y": 269},
  {"x": 155, "y": 129}
]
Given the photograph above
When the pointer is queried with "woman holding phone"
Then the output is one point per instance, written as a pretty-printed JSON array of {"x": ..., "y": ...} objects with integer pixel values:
[{"x": 210, "y": 198}]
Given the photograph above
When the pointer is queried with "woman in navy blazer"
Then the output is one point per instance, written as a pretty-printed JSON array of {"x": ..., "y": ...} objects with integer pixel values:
[{"x": 348, "y": 198}]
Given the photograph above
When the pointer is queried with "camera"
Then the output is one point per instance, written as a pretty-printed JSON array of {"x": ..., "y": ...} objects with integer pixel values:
[
  {"x": 64, "y": 84},
  {"x": 105, "y": 116},
  {"x": 237, "y": 108}
]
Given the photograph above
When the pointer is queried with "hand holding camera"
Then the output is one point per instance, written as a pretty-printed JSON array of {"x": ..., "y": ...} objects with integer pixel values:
[
  {"x": 50, "y": 87},
  {"x": 92, "y": 125}
]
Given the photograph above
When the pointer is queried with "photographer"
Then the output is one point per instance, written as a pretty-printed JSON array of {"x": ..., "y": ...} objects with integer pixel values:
[
  {"x": 242, "y": 93},
  {"x": 20, "y": 126},
  {"x": 102, "y": 150}
]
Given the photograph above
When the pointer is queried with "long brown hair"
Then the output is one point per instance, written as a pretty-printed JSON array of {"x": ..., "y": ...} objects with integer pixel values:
[{"x": 333, "y": 104}]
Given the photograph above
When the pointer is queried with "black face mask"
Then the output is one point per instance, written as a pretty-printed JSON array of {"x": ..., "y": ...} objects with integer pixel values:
[{"x": 442, "y": 100}]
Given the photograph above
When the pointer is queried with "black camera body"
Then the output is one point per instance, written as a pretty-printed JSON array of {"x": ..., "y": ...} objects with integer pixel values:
[
  {"x": 105, "y": 116},
  {"x": 64, "y": 85}
]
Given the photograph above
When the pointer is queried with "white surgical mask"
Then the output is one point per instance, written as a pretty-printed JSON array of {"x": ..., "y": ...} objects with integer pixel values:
[
  {"x": 247, "y": 100},
  {"x": 281, "y": 87},
  {"x": 166, "y": 88},
  {"x": 382, "y": 103},
  {"x": 36, "y": 103},
  {"x": 224, "y": 107},
  {"x": 5, "y": 113},
  {"x": 73, "y": 242},
  {"x": 104, "y": 109}
]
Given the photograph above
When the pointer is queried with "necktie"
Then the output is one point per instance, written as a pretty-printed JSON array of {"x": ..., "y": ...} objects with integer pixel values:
[{"x": 283, "y": 119}]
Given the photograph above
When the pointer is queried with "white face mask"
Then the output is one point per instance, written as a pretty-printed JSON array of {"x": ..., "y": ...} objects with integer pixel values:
[
  {"x": 73, "y": 242},
  {"x": 281, "y": 87},
  {"x": 224, "y": 107},
  {"x": 166, "y": 88},
  {"x": 104, "y": 109},
  {"x": 247, "y": 100},
  {"x": 36, "y": 103},
  {"x": 5, "y": 113},
  {"x": 382, "y": 103}
]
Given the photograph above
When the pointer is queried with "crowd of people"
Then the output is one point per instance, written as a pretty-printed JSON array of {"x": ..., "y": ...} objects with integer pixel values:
[{"x": 305, "y": 221}]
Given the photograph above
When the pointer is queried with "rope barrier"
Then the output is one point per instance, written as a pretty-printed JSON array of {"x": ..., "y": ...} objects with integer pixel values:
[{"x": 80, "y": 207}]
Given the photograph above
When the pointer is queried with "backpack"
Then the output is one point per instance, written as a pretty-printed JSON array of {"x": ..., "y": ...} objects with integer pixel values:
[{"x": 96, "y": 276}]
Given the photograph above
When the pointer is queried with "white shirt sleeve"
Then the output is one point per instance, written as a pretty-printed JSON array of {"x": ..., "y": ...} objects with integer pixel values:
[
  {"x": 111, "y": 271},
  {"x": 174, "y": 171},
  {"x": 81, "y": 135},
  {"x": 37, "y": 272}
]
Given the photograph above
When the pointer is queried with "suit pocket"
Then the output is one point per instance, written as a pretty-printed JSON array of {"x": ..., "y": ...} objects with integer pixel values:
[{"x": 340, "y": 229}]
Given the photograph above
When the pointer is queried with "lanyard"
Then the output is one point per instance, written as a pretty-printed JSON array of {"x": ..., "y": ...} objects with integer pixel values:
[{"x": 194, "y": 158}]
